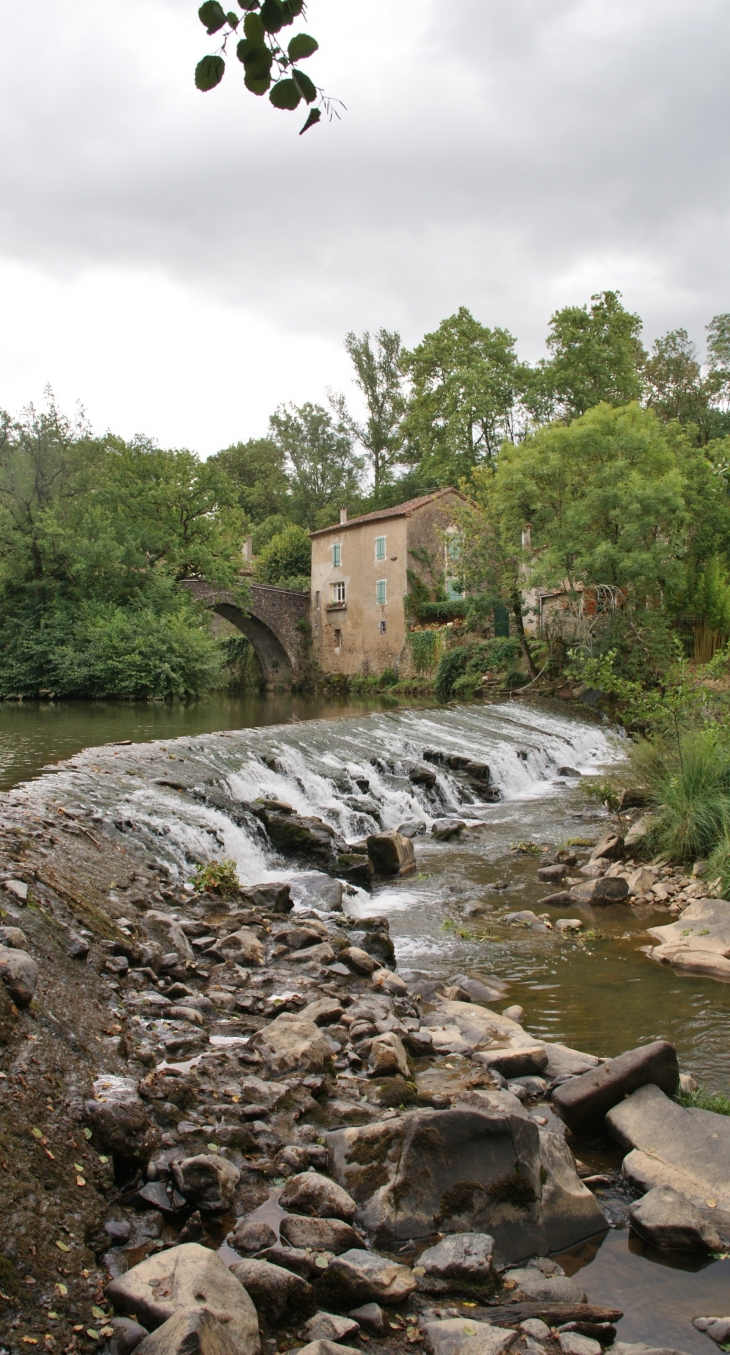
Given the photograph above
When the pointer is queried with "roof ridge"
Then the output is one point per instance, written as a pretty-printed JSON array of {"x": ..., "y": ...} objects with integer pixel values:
[{"x": 398, "y": 510}]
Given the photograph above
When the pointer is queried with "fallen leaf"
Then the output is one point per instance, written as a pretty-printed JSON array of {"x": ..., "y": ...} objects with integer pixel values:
[
  {"x": 48, "y": 1153},
  {"x": 92, "y": 1333},
  {"x": 78, "y": 1167},
  {"x": 711, "y": 1204},
  {"x": 80, "y": 1181},
  {"x": 97, "y": 1312},
  {"x": 62, "y": 1246},
  {"x": 37, "y": 1134},
  {"x": 61, "y": 1289},
  {"x": 30, "y": 1340},
  {"x": 87, "y": 1133}
]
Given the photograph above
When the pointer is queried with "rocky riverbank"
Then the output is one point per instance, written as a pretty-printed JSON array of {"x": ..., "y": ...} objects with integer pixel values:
[{"x": 228, "y": 1126}]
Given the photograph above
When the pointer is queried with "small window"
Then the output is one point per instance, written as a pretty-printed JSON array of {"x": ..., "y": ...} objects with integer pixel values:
[
  {"x": 317, "y": 599},
  {"x": 338, "y": 592},
  {"x": 338, "y": 639},
  {"x": 381, "y": 591},
  {"x": 380, "y": 548},
  {"x": 337, "y": 556},
  {"x": 383, "y": 627}
]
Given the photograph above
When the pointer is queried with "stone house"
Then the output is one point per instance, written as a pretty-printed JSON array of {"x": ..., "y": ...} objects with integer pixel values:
[{"x": 360, "y": 581}]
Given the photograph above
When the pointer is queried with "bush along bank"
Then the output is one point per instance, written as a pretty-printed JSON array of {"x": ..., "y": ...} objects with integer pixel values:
[
  {"x": 171, "y": 1059},
  {"x": 447, "y": 663}
]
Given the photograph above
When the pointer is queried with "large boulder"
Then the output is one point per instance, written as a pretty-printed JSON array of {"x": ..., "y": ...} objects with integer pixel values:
[
  {"x": 208, "y": 1182},
  {"x": 666, "y": 1219},
  {"x": 278, "y": 1295},
  {"x": 699, "y": 941},
  {"x": 168, "y": 933},
  {"x": 495, "y": 1041},
  {"x": 671, "y": 1146},
  {"x": 292, "y": 1044},
  {"x": 583, "y": 1102},
  {"x": 19, "y": 973},
  {"x": 243, "y": 947},
  {"x": 462, "y": 1336},
  {"x": 182, "y": 1278},
  {"x": 119, "y": 1121},
  {"x": 532, "y": 1283},
  {"x": 482, "y": 1167},
  {"x": 316, "y": 1234},
  {"x": 602, "y": 891},
  {"x": 387, "y": 1057},
  {"x": 391, "y": 853},
  {"x": 318, "y": 1196},
  {"x": 360, "y": 1276},
  {"x": 302, "y": 836},
  {"x": 460, "y": 1263},
  {"x": 190, "y": 1330}
]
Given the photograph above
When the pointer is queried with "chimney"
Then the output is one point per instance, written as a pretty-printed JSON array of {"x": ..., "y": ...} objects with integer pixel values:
[
  {"x": 248, "y": 550},
  {"x": 343, "y": 515}
]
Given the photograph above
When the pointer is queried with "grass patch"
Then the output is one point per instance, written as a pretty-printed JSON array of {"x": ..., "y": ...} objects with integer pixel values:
[{"x": 704, "y": 1100}]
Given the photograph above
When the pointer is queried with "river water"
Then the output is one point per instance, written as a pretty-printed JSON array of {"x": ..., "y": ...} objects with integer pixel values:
[{"x": 597, "y": 991}]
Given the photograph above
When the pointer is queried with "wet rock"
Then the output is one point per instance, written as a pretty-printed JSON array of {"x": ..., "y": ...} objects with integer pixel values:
[
  {"x": 191, "y": 1329},
  {"x": 320, "y": 891},
  {"x": 292, "y": 1160},
  {"x": 583, "y": 1102},
  {"x": 297, "y": 936},
  {"x": 413, "y": 828},
  {"x": 323, "y": 954},
  {"x": 667, "y": 1219},
  {"x": 19, "y": 973},
  {"x": 461, "y": 1336},
  {"x": 252, "y": 1235},
  {"x": 482, "y": 1167},
  {"x": 699, "y": 942},
  {"x": 461, "y": 1263},
  {"x": 323, "y": 1347},
  {"x": 14, "y": 938},
  {"x": 302, "y": 836},
  {"x": 556, "y": 872},
  {"x": 558, "y": 900},
  {"x": 370, "y": 1316},
  {"x": 390, "y": 853},
  {"x": 182, "y": 1278},
  {"x": 642, "y": 880},
  {"x": 355, "y": 866},
  {"x": 526, "y": 918},
  {"x": 207, "y": 1181},
  {"x": 292, "y": 1044},
  {"x": 610, "y": 847},
  {"x": 536, "y": 1329},
  {"x": 607, "y": 889},
  {"x": 168, "y": 933},
  {"x": 530, "y": 1283},
  {"x": 155, "y": 1195},
  {"x": 514, "y": 1013},
  {"x": 446, "y": 829},
  {"x": 273, "y": 897},
  {"x": 77, "y": 947},
  {"x": 359, "y": 1276},
  {"x": 572, "y": 1343},
  {"x": 387, "y": 1057},
  {"x": 671, "y": 1146},
  {"x": 188, "y": 1014},
  {"x": 330, "y": 1327},
  {"x": 243, "y": 947},
  {"x": 295, "y": 1259},
  {"x": 127, "y": 1335},
  {"x": 568, "y": 924},
  {"x": 318, "y": 1234},
  {"x": 564, "y": 1062},
  {"x": 119, "y": 1121},
  {"x": 358, "y": 960},
  {"x": 222, "y": 1000},
  {"x": 717, "y": 1328},
  {"x": 312, "y": 1194},
  {"x": 390, "y": 982},
  {"x": 422, "y": 775},
  {"x": 278, "y": 1295}
]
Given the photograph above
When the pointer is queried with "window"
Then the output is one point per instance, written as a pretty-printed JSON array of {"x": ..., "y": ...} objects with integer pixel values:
[
  {"x": 316, "y": 599},
  {"x": 338, "y": 639},
  {"x": 381, "y": 591},
  {"x": 380, "y": 548},
  {"x": 337, "y": 556},
  {"x": 338, "y": 592},
  {"x": 383, "y": 627}
]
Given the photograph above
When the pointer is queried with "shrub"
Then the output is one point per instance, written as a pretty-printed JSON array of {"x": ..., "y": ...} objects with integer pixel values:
[
  {"x": 692, "y": 788},
  {"x": 426, "y": 646},
  {"x": 452, "y": 665},
  {"x": 286, "y": 559},
  {"x": 217, "y": 877}
]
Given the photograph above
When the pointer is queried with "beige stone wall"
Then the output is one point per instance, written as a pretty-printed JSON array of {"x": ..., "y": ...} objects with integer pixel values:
[{"x": 363, "y": 648}]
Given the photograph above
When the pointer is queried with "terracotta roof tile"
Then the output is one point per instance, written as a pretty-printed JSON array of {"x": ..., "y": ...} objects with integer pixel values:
[{"x": 401, "y": 510}]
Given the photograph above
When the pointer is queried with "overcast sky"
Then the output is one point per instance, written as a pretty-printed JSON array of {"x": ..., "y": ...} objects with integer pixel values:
[{"x": 181, "y": 263}]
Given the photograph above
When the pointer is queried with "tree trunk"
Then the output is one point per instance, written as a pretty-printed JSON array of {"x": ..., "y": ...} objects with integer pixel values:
[{"x": 517, "y": 612}]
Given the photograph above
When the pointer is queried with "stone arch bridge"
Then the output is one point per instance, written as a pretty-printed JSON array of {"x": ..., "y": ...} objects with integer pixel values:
[{"x": 276, "y": 623}]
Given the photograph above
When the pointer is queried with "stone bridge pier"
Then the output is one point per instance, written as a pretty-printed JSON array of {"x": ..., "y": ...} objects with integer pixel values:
[{"x": 276, "y": 623}]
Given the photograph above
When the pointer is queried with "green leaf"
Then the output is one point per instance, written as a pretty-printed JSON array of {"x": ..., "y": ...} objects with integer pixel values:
[
  {"x": 292, "y": 8},
  {"x": 302, "y": 46},
  {"x": 285, "y": 94},
  {"x": 257, "y": 60},
  {"x": 307, "y": 87},
  {"x": 209, "y": 72},
  {"x": 212, "y": 16},
  {"x": 257, "y": 86},
  {"x": 232, "y": 19},
  {"x": 314, "y": 117},
  {"x": 254, "y": 29},
  {"x": 272, "y": 16}
]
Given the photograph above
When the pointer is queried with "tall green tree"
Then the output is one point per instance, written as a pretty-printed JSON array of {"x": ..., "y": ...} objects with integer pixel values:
[
  {"x": 595, "y": 356},
  {"x": 379, "y": 376},
  {"x": 286, "y": 560},
  {"x": 718, "y": 361},
  {"x": 324, "y": 471},
  {"x": 467, "y": 388},
  {"x": 675, "y": 387},
  {"x": 257, "y": 470}
]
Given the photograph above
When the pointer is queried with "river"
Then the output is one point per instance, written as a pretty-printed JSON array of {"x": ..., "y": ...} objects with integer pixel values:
[{"x": 598, "y": 991}]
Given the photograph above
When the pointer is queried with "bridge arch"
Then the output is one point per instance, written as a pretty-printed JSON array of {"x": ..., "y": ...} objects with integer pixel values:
[{"x": 276, "y": 625}]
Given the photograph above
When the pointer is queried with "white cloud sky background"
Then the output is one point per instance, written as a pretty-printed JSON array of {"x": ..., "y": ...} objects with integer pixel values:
[{"x": 181, "y": 263}]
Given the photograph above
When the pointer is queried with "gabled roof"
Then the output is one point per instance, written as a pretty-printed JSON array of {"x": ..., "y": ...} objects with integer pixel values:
[{"x": 401, "y": 510}]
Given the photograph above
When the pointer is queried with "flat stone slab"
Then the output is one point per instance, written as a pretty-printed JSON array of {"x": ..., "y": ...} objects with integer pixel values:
[
  {"x": 460, "y": 1336},
  {"x": 583, "y": 1102},
  {"x": 699, "y": 941},
  {"x": 671, "y": 1146},
  {"x": 472, "y": 1030},
  {"x": 668, "y": 1219}
]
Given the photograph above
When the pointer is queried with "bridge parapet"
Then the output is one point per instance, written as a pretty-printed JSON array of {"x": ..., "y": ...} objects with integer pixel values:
[{"x": 276, "y": 623}]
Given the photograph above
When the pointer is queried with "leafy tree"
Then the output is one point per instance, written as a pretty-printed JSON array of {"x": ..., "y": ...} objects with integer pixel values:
[
  {"x": 466, "y": 397},
  {"x": 674, "y": 384},
  {"x": 257, "y": 470},
  {"x": 287, "y": 559},
  {"x": 269, "y": 67},
  {"x": 324, "y": 471},
  {"x": 595, "y": 357},
  {"x": 718, "y": 357},
  {"x": 379, "y": 375}
]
